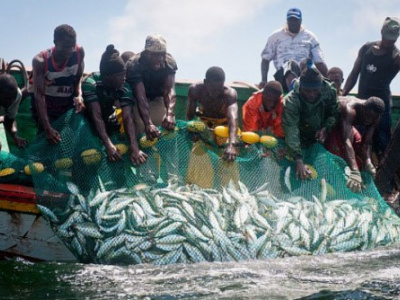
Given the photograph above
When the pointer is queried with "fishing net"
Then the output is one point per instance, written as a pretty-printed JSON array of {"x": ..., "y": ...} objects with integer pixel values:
[{"x": 186, "y": 204}]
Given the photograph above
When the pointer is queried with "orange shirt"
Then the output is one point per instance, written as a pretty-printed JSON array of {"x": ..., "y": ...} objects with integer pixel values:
[{"x": 255, "y": 118}]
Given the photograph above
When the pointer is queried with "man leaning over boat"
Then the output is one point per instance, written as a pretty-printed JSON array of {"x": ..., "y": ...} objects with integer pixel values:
[
  {"x": 310, "y": 111},
  {"x": 151, "y": 74},
  {"x": 56, "y": 79},
  {"x": 215, "y": 104},
  {"x": 348, "y": 143},
  {"x": 104, "y": 91}
]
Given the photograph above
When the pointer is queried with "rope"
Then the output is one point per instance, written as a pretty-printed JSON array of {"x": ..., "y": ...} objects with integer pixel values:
[
  {"x": 16, "y": 63},
  {"x": 3, "y": 65}
]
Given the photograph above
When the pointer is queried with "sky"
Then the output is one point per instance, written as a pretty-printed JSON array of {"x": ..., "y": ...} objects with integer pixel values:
[{"x": 199, "y": 33}]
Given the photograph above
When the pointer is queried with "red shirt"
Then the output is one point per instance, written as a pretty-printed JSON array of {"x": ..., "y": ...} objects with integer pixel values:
[{"x": 255, "y": 118}]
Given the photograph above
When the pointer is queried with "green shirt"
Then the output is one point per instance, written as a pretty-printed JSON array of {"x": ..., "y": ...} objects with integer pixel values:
[
  {"x": 302, "y": 119},
  {"x": 93, "y": 90}
]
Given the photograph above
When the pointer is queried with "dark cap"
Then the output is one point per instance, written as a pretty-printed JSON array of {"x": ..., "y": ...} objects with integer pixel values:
[
  {"x": 111, "y": 63},
  {"x": 390, "y": 29},
  {"x": 294, "y": 12}
]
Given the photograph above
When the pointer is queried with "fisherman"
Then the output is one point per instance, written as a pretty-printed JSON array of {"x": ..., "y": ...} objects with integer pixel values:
[
  {"x": 151, "y": 74},
  {"x": 57, "y": 74},
  {"x": 345, "y": 140},
  {"x": 104, "y": 91},
  {"x": 335, "y": 74},
  {"x": 263, "y": 110},
  {"x": 215, "y": 104},
  {"x": 310, "y": 111},
  {"x": 10, "y": 98},
  {"x": 287, "y": 47},
  {"x": 377, "y": 64},
  {"x": 127, "y": 55}
]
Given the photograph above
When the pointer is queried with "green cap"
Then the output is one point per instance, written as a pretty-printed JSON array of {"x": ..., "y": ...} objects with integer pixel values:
[{"x": 390, "y": 29}]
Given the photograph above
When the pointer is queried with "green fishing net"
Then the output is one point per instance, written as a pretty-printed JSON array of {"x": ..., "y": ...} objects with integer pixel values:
[{"x": 186, "y": 204}]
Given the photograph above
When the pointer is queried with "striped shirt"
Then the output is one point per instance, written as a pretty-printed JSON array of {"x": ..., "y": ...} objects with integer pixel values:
[{"x": 60, "y": 81}]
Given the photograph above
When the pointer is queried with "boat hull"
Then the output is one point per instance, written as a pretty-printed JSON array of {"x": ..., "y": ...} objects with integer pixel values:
[{"x": 23, "y": 231}]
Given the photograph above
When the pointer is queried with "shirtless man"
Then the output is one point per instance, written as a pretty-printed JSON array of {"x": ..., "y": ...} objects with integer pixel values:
[
  {"x": 215, "y": 104},
  {"x": 346, "y": 142},
  {"x": 57, "y": 74}
]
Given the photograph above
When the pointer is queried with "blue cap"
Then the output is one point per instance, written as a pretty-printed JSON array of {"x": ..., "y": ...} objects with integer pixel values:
[{"x": 294, "y": 13}]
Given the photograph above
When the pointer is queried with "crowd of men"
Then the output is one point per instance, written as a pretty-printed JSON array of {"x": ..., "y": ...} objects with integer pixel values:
[{"x": 305, "y": 103}]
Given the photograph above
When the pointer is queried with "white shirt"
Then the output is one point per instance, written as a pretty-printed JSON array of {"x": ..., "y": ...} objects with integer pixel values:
[{"x": 283, "y": 45}]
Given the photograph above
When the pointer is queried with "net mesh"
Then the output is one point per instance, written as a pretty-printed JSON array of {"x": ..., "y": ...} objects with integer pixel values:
[{"x": 186, "y": 204}]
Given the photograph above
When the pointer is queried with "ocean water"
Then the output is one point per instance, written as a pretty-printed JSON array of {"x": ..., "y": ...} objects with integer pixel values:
[{"x": 358, "y": 275}]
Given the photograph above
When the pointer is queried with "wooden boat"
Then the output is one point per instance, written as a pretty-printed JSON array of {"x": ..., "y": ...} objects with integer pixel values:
[{"x": 23, "y": 231}]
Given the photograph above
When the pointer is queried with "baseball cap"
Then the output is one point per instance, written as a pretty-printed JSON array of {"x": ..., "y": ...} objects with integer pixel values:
[
  {"x": 155, "y": 43},
  {"x": 390, "y": 29},
  {"x": 294, "y": 12}
]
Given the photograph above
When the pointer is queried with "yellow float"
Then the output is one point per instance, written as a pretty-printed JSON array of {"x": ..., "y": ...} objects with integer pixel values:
[
  {"x": 268, "y": 141},
  {"x": 35, "y": 167},
  {"x": 146, "y": 143},
  {"x": 91, "y": 156}
]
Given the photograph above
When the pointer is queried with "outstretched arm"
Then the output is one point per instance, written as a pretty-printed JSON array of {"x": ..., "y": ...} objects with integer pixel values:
[
  {"x": 169, "y": 102},
  {"x": 348, "y": 138},
  {"x": 264, "y": 72},
  {"x": 78, "y": 100},
  {"x": 354, "y": 180},
  {"x": 38, "y": 71},
  {"x": 332, "y": 116},
  {"x": 143, "y": 108},
  {"x": 353, "y": 76},
  {"x": 322, "y": 68},
  {"x": 290, "y": 124},
  {"x": 95, "y": 114},
  {"x": 10, "y": 125},
  {"x": 397, "y": 62},
  {"x": 367, "y": 141},
  {"x": 232, "y": 115},
  {"x": 137, "y": 157},
  {"x": 191, "y": 104}
]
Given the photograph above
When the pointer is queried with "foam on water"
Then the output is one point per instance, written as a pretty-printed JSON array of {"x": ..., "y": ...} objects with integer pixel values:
[{"x": 358, "y": 275}]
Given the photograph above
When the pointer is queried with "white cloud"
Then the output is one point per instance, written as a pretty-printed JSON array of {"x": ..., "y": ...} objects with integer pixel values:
[
  {"x": 370, "y": 14},
  {"x": 210, "y": 32},
  {"x": 190, "y": 25}
]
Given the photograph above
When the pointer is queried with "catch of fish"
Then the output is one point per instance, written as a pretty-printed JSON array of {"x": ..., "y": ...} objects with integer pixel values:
[{"x": 188, "y": 224}]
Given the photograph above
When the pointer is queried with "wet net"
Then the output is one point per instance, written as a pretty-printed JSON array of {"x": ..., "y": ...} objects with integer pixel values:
[{"x": 186, "y": 204}]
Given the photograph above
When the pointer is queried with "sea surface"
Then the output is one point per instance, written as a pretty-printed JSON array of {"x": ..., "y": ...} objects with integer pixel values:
[{"x": 358, "y": 275}]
